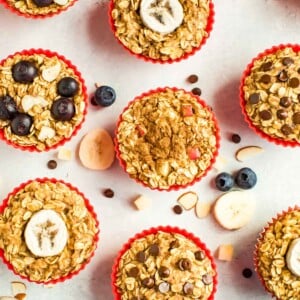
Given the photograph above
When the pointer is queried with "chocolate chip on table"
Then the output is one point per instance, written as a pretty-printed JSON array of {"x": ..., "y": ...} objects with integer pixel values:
[
  {"x": 197, "y": 91},
  {"x": 154, "y": 250},
  {"x": 164, "y": 272},
  {"x": 148, "y": 282},
  {"x": 286, "y": 129},
  {"x": 235, "y": 138},
  {"x": 294, "y": 82},
  {"x": 265, "y": 115},
  {"x": 207, "y": 279},
  {"x": 254, "y": 98},
  {"x": 184, "y": 264},
  {"x": 164, "y": 287},
  {"x": 247, "y": 273},
  {"x": 141, "y": 256},
  {"x": 266, "y": 66},
  {"x": 52, "y": 164},
  {"x": 108, "y": 193},
  {"x": 188, "y": 288},
  {"x": 133, "y": 272},
  {"x": 287, "y": 61},
  {"x": 199, "y": 255},
  {"x": 192, "y": 78},
  {"x": 282, "y": 114},
  {"x": 285, "y": 102},
  {"x": 177, "y": 209},
  {"x": 265, "y": 79},
  {"x": 296, "y": 118},
  {"x": 283, "y": 76}
]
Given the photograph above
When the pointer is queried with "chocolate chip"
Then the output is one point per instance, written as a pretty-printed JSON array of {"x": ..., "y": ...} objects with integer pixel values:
[
  {"x": 177, "y": 209},
  {"x": 282, "y": 114},
  {"x": 287, "y": 61},
  {"x": 296, "y": 118},
  {"x": 184, "y": 264},
  {"x": 197, "y": 91},
  {"x": 294, "y": 82},
  {"x": 52, "y": 164},
  {"x": 283, "y": 76},
  {"x": 174, "y": 244},
  {"x": 254, "y": 98},
  {"x": 164, "y": 272},
  {"x": 265, "y": 115},
  {"x": 266, "y": 66},
  {"x": 108, "y": 193},
  {"x": 192, "y": 78},
  {"x": 265, "y": 79},
  {"x": 154, "y": 250},
  {"x": 285, "y": 102},
  {"x": 164, "y": 287},
  {"x": 298, "y": 70},
  {"x": 188, "y": 288},
  {"x": 247, "y": 273},
  {"x": 133, "y": 272},
  {"x": 286, "y": 129},
  {"x": 199, "y": 255},
  {"x": 298, "y": 97},
  {"x": 207, "y": 279},
  {"x": 141, "y": 256},
  {"x": 148, "y": 282},
  {"x": 235, "y": 138}
]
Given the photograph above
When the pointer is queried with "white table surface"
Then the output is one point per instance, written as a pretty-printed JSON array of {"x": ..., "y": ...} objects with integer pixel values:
[{"x": 242, "y": 29}]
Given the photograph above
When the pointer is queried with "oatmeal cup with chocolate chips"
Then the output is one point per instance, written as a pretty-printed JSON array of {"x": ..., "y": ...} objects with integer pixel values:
[
  {"x": 161, "y": 30},
  {"x": 48, "y": 231},
  {"x": 167, "y": 139},
  {"x": 164, "y": 263},
  {"x": 42, "y": 100},
  {"x": 270, "y": 94},
  {"x": 277, "y": 255}
]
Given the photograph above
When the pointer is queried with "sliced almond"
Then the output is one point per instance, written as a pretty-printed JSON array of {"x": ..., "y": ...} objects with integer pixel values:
[
  {"x": 18, "y": 287},
  {"x": 248, "y": 152},
  {"x": 46, "y": 133},
  {"x": 51, "y": 73},
  {"x": 188, "y": 200},
  {"x": 225, "y": 252},
  {"x": 202, "y": 209},
  {"x": 220, "y": 163},
  {"x": 64, "y": 154},
  {"x": 29, "y": 101},
  {"x": 21, "y": 296},
  {"x": 61, "y": 2},
  {"x": 142, "y": 202}
]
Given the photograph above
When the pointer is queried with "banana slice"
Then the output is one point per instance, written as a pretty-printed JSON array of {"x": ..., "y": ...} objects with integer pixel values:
[
  {"x": 46, "y": 233},
  {"x": 293, "y": 257},
  {"x": 234, "y": 209},
  {"x": 162, "y": 16},
  {"x": 96, "y": 150}
]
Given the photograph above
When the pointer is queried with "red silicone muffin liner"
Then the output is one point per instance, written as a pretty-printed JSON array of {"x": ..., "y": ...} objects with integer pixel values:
[
  {"x": 260, "y": 239},
  {"x": 208, "y": 29},
  {"x": 246, "y": 73},
  {"x": 154, "y": 230},
  {"x": 49, "y": 53},
  {"x": 172, "y": 187},
  {"x": 88, "y": 206},
  {"x": 38, "y": 16}
]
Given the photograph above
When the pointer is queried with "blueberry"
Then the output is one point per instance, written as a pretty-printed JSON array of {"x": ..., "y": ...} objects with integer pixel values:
[
  {"x": 21, "y": 124},
  {"x": 105, "y": 95},
  {"x": 246, "y": 178},
  {"x": 67, "y": 87},
  {"x": 8, "y": 108},
  {"x": 63, "y": 109},
  {"x": 42, "y": 3},
  {"x": 224, "y": 182},
  {"x": 24, "y": 71}
]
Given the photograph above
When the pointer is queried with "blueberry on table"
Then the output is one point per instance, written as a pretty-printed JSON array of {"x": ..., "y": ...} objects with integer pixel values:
[
  {"x": 21, "y": 124},
  {"x": 63, "y": 109},
  {"x": 224, "y": 182},
  {"x": 8, "y": 108},
  {"x": 42, "y": 3},
  {"x": 24, "y": 71},
  {"x": 246, "y": 178},
  {"x": 105, "y": 95},
  {"x": 67, "y": 87}
]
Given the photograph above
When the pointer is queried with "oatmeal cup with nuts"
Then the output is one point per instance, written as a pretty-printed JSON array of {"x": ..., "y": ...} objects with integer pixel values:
[
  {"x": 37, "y": 8},
  {"x": 167, "y": 139},
  {"x": 42, "y": 100},
  {"x": 277, "y": 255},
  {"x": 270, "y": 95},
  {"x": 48, "y": 231},
  {"x": 164, "y": 263},
  {"x": 161, "y": 30}
]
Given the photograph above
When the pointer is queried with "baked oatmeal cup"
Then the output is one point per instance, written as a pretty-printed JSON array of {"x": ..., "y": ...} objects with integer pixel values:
[
  {"x": 270, "y": 95},
  {"x": 164, "y": 263},
  {"x": 37, "y": 9},
  {"x": 161, "y": 31},
  {"x": 48, "y": 231},
  {"x": 167, "y": 139},
  {"x": 43, "y": 100},
  {"x": 277, "y": 255}
]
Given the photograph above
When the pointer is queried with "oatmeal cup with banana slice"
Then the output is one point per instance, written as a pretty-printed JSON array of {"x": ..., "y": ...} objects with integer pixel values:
[
  {"x": 48, "y": 231},
  {"x": 42, "y": 100}
]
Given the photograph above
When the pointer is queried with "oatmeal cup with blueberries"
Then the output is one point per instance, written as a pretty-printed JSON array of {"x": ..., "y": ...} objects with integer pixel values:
[
  {"x": 161, "y": 30},
  {"x": 167, "y": 139},
  {"x": 42, "y": 100},
  {"x": 48, "y": 231}
]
